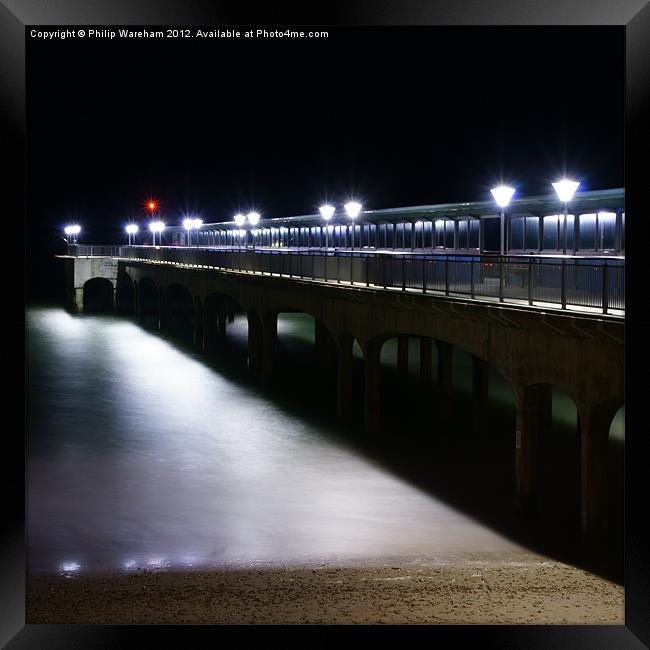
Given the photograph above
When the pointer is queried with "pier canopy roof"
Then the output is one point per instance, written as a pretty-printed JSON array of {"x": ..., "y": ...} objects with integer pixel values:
[{"x": 612, "y": 200}]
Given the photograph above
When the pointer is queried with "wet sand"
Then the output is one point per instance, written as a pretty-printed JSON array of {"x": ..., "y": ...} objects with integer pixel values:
[{"x": 478, "y": 589}]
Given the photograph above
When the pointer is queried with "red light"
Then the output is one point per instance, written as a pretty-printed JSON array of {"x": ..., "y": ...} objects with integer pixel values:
[{"x": 151, "y": 204}]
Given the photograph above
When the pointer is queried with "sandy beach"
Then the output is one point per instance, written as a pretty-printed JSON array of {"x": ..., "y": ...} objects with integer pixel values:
[{"x": 522, "y": 589}]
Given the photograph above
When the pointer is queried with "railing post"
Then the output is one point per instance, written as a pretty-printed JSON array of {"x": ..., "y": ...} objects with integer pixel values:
[
  {"x": 403, "y": 273},
  {"x": 424, "y": 277},
  {"x": 352, "y": 263},
  {"x": 325, "y": 266},
  {"x": 530, "y": 281},
  {"x": 500, "y": 279},
  {"x": 367, "y": 258},
  {"x": 300, "y": 263},
  {"x": 384, "y": 261},
  {"x": 471, "y": 278},
  {"x": 338, "y": 268},
  {"x": 446, "y": 275},
  {"x": 563, "y": 283},
  {"x": 605, "y": 289}
]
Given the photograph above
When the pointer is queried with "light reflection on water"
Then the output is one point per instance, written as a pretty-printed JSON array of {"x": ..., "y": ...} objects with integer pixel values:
[{"x": 140, "y": 456}]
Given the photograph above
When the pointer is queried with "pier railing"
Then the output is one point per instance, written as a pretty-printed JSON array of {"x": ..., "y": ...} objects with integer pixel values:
[{"x": 591, "y": 283}]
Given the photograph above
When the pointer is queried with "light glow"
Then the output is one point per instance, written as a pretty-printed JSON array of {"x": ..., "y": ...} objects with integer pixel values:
[
  {"x": 327, "y": 211},
  {"x": 253, "y": 218},
  {"x": 188, "y": 224},
  {"x": 131, "y": 229},
  {"x": 156, "y": 226},
  {"x": 502, "y": 195},
  {"x": 197, "y": 223},
  {"x": 240, "y": 219},
  {"x": 72, "y": 230},
  {"x": 565, "y": 189},
  {"x": 353, "y": 208}
]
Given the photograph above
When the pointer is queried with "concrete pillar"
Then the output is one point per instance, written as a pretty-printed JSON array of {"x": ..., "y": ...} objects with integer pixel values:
[
  {"x": 163, "y": 312},
  {"x": 594, "y": 422},
  {"x": 136, "y": 302},
  {"x": 325, "y": 348},
  {"x": 344, "y": 379},
  {"x": 534, "y": 405},
  {"x": 221, "y": 318},
  {"x": 403, "y": 358},
  {"x": 137, "y": 311},
  {"x": 114, "y": 305},
  {"x": 255, "y": 345},
  {"x": 445, "y": 378},
  {"x": 425, "y": 363},
  {"x": 78, "y": 304},
  {"x": 269, "y": 345},
  {"x": 372, "y": 404},
  {"x": 480, "y": 391},
  {"x": 209, "y": 326},
  {"x": 198, "y": 325}
]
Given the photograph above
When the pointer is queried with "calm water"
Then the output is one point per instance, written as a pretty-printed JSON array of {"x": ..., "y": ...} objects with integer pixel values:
[{"x": 141, "y": 455}]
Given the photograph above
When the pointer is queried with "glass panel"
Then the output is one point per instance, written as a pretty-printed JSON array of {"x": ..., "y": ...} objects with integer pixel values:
[
  {"x": 474, "y": 228},
  {"x": 587, "y": 224},
  {"x": 449, "y": 228},
  {"x": 623, "y": 231},
  {"x": 607, "y": 227},
  {"x": 550, "y": 232},
  {"x": 532, "y": 233},
  {"x": 462, "y": 233},
  {"x": 517, "y": 234},
  {"x": 440, "y": 232}
]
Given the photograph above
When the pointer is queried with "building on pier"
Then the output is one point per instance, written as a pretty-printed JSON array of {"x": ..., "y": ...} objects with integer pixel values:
[{"x": 595, "y": 225}]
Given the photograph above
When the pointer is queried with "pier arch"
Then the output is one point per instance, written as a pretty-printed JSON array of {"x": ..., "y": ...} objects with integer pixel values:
[{"x": 98, "y": 296}]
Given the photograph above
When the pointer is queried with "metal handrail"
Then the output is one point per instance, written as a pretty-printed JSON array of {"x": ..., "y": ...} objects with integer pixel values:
[{"x": 563, "y": 282}]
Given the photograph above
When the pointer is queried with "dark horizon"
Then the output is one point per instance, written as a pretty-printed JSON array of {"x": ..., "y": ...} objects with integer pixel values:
[{"x": 390, "y": 116}]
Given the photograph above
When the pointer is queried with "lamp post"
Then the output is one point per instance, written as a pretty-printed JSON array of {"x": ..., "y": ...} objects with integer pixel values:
[
  {"x": 239, "y": 220},
  {"x": 72, "y": 232},
  {"x": 253, "y": 218},
  {"x": 188, "y": 224},
  {"x": 352, "y": 208},
  {"x": 196, "y": 224},
  {"x": 502, "y": 196},
  {"x": 157, "y": 227},
  {"x": 327, "y": 211},
  {"x": 131, "y": 230},
  {"x": 565, "y": 190}
]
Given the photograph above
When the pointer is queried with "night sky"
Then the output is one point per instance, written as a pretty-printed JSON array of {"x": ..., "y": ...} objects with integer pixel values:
[{"x": 392, "y": 117}]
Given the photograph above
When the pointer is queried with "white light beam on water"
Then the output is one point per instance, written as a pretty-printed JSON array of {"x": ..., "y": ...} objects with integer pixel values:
[{"x": 146, "y": 453}]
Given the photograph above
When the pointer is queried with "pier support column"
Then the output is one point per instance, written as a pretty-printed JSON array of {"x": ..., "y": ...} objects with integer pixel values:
[
  {"x": 136, "y": 302},
  {"x": 344, "y": 379},
  {"x": 269, "y": 346},
  {"x": 255, "y": 345},
  {"x": 135, "y": 307},
  {"x": 425, "y": 363},
  {"x": 480, "y": 391},
  {"x": 115, "y": 299},
  {"x": 372, "y": 405},
  {"x": 325, "y": 348},
  {"x": 209, "y": 326},
  {"x": 198, "y": 325},
  {"x": 445, "y": 377},
  {"x": 533, "y": 420},
  {"x": 78, "y": 303},
  {"x": 403, "y": 358},
  {"x": 594, "y": 422},
  {"x": 163, "y": 312},
  {"x": 221, "y": 319}
]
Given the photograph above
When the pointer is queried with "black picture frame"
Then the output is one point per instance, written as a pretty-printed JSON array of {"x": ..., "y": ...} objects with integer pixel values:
[{"x": 632, "y": 15}]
